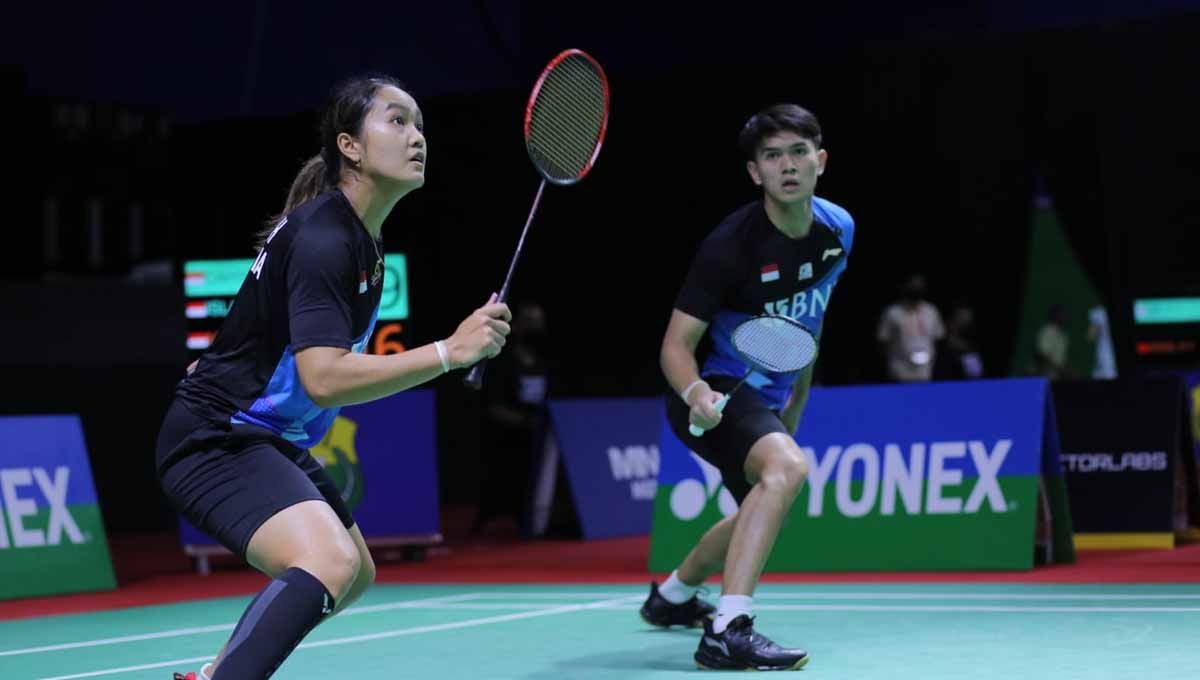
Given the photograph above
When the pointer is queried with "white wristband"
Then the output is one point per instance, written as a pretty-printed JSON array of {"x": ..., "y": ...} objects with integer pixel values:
[
  {"x": 687, "y": 390},
  {"x": 441, "y": 350}
]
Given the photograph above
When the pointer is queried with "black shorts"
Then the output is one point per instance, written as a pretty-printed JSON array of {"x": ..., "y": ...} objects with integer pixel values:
[
  {"x": 745, "y": 420},
  {"x": 227, "y": 481}
]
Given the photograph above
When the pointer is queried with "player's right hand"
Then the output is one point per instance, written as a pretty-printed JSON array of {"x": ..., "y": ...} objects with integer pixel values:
[
  {"x": 481, "y": 335},
  {"x": 703, "y": 401}
]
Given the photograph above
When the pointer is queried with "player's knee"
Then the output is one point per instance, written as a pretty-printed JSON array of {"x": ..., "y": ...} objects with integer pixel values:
[
  {"x": 786, "y": 473},
  {"x": 366, "y": 571},
  {"x": 338, "y": 568}
]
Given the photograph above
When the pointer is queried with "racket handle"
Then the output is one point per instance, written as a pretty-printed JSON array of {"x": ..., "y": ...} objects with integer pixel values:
[
  {"x": 474, "y": 378},
  {"x": 696, "y": 430}
]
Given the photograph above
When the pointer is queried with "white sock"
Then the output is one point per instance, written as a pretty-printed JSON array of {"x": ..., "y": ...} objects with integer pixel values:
[
  {"x": 206, "y": 672},
  {"x": 729, "y": 608},
  {"x": 676, "y": 591}
]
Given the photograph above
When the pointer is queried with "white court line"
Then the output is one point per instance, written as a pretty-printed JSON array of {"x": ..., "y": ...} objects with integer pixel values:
[
  {"x": 926, "y": 595},
  {"x": 961, "y": 608},
  {"x": 409, "y": 604},
  {"x": 181, "y": 632},
  {"x": 624, "y": 603},
  {"x": 364, "y": 638},
  {"x": 567, "y": 609},
  {"x": 945, "y": 608},
  {"x": 450, "y": 600},
  {"x": 178, "y": 632}
]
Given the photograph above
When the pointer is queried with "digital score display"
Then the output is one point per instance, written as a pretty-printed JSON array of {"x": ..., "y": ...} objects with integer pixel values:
[
  {"x": 210, "y": 287},
  {"x": 1167, "y": 330}
]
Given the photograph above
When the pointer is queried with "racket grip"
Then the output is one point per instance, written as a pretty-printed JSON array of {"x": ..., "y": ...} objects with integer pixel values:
[
  {"x": 696, "y": 430},
  {"x": 474, "y": 378}
]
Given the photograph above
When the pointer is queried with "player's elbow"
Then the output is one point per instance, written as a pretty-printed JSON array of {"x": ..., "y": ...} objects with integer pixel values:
[
  {"x": 318, "y": 389},
  {"x": 321, "y": 395},
  {"x": 317, "y": 367}
]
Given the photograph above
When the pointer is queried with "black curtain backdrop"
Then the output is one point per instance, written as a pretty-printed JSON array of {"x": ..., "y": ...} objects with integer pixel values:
[{"x": 935, "y": 146}]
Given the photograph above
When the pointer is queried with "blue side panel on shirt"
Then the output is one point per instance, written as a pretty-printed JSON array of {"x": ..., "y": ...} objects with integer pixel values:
[{"x": 285, "y": 407}]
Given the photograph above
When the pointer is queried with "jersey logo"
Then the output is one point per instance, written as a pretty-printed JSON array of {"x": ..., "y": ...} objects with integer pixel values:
[
  {"x": 770, "y": 273},
  {"x": 362, "y": 281},
  {"x": 831, "y": 252},
  {"x": 377, "y": 274},
  {"x": 806, "y": 271}
]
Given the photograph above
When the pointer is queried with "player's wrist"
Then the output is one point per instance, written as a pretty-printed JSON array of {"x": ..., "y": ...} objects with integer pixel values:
[
  {"x": 693, "y": 389},
  {"x": 443, "y": 355},
  {"x": 454, "y": 352}
]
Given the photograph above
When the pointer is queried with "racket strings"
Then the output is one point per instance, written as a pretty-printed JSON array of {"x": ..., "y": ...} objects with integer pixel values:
[
  {"x": 567, "y": 118},
  {"x": 774, "y": 344}
]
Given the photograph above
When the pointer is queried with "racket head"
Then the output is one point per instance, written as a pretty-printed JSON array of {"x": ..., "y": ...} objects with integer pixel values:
[
  {"x": 775, "y": 343},
  {"x": 566, "y": 117}
]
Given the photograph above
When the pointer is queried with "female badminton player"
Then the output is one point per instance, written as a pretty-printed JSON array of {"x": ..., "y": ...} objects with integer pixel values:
[
  {"x": 780, "y": 255},
  {"x": 232, "y": 452}
]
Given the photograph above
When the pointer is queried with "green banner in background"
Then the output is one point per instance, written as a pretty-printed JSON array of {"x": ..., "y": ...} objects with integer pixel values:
[
  {"x": 51, "y": 532},
  {"x": 1055, "y": 277}
]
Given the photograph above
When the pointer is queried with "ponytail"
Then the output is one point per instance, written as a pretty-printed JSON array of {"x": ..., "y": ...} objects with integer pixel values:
[
  {"x": 312, "y": 181},
  {"x": 345, "y": 112}
]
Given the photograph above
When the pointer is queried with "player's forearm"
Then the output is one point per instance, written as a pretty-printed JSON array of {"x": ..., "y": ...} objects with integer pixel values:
[
  {"x": 679, "y": 366},
  {"x": 357, "y": 378}
]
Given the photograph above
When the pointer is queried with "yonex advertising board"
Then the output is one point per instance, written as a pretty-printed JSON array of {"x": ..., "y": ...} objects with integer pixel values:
[
  {"x": 383, "y": 457},
  {"x": 52, "y": 537},
  {"x": 936, "y": 476},
  {"x": 610, "y": 450}
]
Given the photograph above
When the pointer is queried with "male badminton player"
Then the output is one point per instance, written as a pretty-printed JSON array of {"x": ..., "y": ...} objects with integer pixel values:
[
  {"x": 782, "y": 255},
  {"x": 231, "y": 455}
]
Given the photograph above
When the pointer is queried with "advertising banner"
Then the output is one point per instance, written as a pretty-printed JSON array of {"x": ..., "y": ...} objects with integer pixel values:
[
  {"x": 52, "y": 537},
  {"x": 610, "y": 448},
  {"x": 937, "y": 476}
]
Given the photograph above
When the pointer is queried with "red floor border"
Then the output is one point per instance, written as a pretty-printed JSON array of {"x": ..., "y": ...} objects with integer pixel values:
[{"x": 609, "y": 561}]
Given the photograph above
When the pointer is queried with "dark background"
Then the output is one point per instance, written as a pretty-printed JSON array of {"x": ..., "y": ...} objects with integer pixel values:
[{"x": 941, "y": 123}]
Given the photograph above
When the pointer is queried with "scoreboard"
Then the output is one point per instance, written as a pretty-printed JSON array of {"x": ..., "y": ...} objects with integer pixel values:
[
  {"x": 1167, "y": 331},
  {"x": 210, "y": 286}
]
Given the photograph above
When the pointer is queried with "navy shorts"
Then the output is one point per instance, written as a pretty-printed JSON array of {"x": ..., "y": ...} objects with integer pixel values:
[
  {"x": 228, "y": 481},
  {"x": 745, "y": 420}
]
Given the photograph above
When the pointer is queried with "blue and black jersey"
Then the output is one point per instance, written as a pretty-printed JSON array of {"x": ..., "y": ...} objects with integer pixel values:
[
  {"x": 316, "y": 283},
  {"x": 747, "y": 267}
]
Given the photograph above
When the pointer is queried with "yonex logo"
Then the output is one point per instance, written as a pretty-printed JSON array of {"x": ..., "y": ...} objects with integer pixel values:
[
  {"x": 918, "y": 484},
  {"x": 691, "y": 496},
  {"x": 19, "y": 504}
]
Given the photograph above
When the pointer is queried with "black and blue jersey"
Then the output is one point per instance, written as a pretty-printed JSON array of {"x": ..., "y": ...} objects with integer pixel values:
[
  {"x": 316, "y": 283},
  {"x": 747, "y": 267}
]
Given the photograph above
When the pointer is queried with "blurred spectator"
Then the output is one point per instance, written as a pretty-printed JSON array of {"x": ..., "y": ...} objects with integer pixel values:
[
  {"x": 516, "y": 386},
  {"x": 908, "y": 333},
  {"x": 1052, "y": 345},
  {"x": 1105, "y": 364},
  {"x": 959, "y": 358}
]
